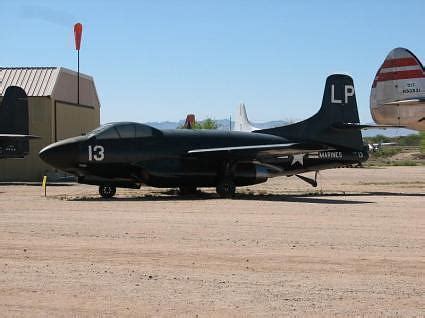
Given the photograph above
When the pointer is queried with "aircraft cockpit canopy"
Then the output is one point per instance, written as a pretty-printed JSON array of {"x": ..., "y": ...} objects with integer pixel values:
[{"x": 123, "y": 130}]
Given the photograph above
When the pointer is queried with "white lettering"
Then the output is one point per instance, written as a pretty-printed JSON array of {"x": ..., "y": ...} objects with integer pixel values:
[
  {"x": 333, "y": 100},
  {"x": 349, "y": 91},
  {"x": 97, "y": 153},
  {"x": 330, "y": 155}
]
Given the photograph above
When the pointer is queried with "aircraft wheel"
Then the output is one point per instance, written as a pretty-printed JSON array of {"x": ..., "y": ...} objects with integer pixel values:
[
  {"x": 226, "y": 188},
  {"x": 107, "y": 191},
  {"x": 187, "y": 190}
]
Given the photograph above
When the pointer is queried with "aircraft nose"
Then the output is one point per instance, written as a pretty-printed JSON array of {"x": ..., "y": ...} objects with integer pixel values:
[{"x": 61, "y": 154}]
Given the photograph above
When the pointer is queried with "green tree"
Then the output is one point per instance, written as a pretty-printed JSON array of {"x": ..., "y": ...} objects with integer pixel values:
[
  {"x": 204, "y": 124},
  {"x": 410, "y": 140},
  {"x": 208, "y": 124},
  {"x": 379, "y": 139}
]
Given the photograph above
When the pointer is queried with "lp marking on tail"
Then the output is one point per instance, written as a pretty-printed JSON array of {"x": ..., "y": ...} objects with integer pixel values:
[{"x": 348, "y": 92}]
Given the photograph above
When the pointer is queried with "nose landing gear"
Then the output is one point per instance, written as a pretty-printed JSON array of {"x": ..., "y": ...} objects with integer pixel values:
[{"x": 107, "y": 191}]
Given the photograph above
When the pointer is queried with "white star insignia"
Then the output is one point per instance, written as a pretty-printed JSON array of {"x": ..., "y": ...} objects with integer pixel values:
[{"x": 298, "y": 158}]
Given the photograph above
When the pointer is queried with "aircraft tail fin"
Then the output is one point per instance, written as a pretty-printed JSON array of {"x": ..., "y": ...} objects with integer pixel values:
[
  {"x": 399, "y": 65},
  {"x": 398, "y": 89},
  {"x": 242, "y": 121},
  {"x": 14, "y": 112},
  {"x": 14, "y": 137},
  {"x": 339, "y": 108}
]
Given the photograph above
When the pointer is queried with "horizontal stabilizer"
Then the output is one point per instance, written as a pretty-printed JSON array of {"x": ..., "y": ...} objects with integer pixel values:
[
  {"x": 356, "y": 126},
  {"x": 407, "y": 101}
]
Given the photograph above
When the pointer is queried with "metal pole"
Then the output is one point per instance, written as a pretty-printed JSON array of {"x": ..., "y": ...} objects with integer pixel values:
[{"x": 78, "y": 78}]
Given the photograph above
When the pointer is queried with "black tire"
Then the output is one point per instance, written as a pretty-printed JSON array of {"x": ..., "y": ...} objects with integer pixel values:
[
  {"x": 226, "y": 188},
  {"x": 107, "y": 191},
  {"x": 187, "y": 190}
]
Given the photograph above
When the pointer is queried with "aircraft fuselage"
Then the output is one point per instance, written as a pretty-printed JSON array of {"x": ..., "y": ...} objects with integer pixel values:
[{"x": 163, "y": 160}]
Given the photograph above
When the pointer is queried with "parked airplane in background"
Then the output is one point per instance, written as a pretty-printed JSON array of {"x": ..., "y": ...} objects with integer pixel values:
[
  {"x": 14, "y": 137},
  {"x": 242, "y": 122},
  {"x": 398, "y": 91},
  {"x": 378, "y": 146},
  {"x": 131, "y": 154}
]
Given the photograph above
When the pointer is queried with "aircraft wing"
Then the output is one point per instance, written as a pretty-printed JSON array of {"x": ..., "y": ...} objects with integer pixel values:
[
  {"x": 17, "y": 136},
  {"x": 258, "y": 151}
]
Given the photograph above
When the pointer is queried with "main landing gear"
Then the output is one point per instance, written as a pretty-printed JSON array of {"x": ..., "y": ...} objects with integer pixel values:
[
  {"x": 187, "y": 190},
  {"x": 107, "y": 191},
  {"x": 226, "y": 188},
  {"x": 312, "y": 182}
]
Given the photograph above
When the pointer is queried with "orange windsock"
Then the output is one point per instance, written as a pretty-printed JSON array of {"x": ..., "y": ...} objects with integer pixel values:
[{"x": 78, "y": 32}]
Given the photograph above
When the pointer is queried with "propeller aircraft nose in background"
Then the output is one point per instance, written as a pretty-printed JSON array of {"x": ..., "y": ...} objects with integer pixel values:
[
  {"x": 127, "y": 154},
  {"x": 398, "y": 91}
]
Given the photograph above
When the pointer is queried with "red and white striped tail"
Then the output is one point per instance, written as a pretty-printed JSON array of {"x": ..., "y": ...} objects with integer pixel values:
[
  {"x": 398, "y": 91},
  {"x": 400, "y": 64}
]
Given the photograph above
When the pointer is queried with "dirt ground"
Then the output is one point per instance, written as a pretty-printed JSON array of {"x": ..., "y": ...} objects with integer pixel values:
[{"x": 354, "y": 246}]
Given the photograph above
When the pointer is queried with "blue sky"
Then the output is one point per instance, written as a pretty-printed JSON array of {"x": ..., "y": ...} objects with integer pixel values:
[{"x": 159, "y": 60}]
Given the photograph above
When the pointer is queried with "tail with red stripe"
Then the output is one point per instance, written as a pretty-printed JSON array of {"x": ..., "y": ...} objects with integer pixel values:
[{"x": 398, "y": 91}]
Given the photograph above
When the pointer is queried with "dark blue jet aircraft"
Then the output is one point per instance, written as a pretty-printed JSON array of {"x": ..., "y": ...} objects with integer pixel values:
[{"x": 129, "y": 154}]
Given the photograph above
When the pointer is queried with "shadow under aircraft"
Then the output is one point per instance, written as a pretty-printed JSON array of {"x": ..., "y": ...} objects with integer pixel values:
[
  {"x": 14, "y": 135},
  {"x": 129, "y": 154}
]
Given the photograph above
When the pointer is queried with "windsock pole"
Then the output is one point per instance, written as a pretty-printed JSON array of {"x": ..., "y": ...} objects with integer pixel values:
[
  {"x": 78, "y": 31},
  {"x": 78, "y": 77}
]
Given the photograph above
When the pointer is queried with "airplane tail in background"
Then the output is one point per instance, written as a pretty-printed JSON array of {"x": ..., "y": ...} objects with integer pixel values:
[
  {"x": 14, "y": 112},
  {"x": 336, "y": 123},
  {"x": 14, "y": 137},
  {"x": 242, "y": 121},
  {"x": 397, "y": 95}
]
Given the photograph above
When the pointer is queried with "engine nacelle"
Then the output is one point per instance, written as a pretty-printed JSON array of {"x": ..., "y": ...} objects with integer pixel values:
[{"x": 250, "y": 173}]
